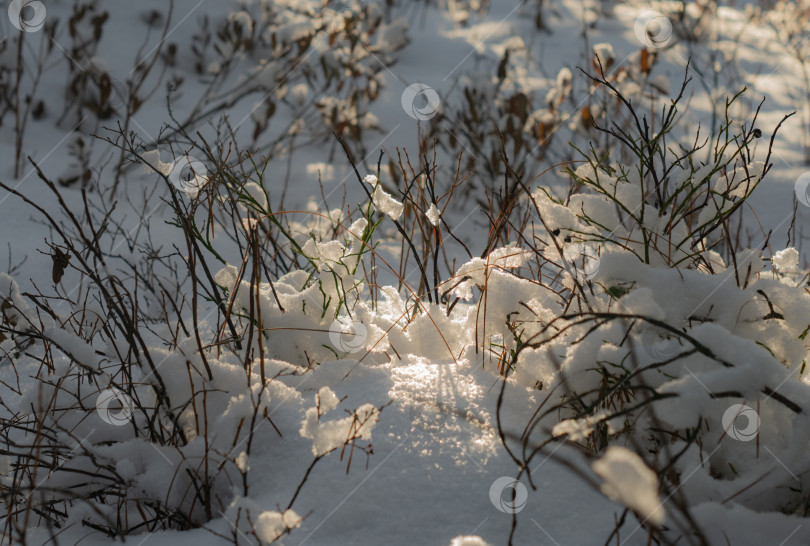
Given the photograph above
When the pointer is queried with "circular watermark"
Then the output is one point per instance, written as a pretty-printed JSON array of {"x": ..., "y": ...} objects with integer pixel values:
[
  {"x": 420, "y": 101},
  {"x": 658, "y": 346},
  {"x": 188, "y": 174},
  {"x": 347, "y": 335},
  {"x": 653, "y": 29},
  {"x": 744, "y": 431},
  {"x": 508, "y": 495},
  {"x": 112, "y": 415},
  {"x": 583, "y": 259},
  {"x": 27, "y": 15},
  {"x": 802, "y": 188}
]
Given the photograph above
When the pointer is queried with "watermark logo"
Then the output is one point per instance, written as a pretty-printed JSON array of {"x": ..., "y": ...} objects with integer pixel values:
[
  {"x": 107, "y": 407},
  {"x": 188, "y": 174},
  {"x": 27, "y": 15},
  {"x": 802, "y": 189},
  {"x": 741, "y": 422},
  {"x": 653, "y": 29},
  {"x": 508, "y": 495},
  {"x": 658, "y": 346},
  {"x": 420, "y": 101},
  {"x": 347, "y": 335},
  {"x": 584, "y": 260}
]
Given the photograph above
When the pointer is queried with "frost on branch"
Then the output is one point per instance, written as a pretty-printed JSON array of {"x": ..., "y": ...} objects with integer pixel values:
[
  {"x": 152, "y": 159},
  {"x": 387, "y": 204},
  {"x": 433, "y": 215},
  {"x": 578, "y": 429}
]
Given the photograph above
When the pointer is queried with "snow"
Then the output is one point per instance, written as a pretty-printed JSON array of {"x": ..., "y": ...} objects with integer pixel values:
[
  {"x": 604, "y": 52},
  {"x": 242, "y": 462},
  {"x": 397, "y": 397},
  {"x": 578, "y": 429},
  {"x": 786, "y": 260},
  {"x": 468, "y": 540},
  {"x": 433, "y": 215},
  {"x": 245, "y": 516},
  {"x": 327, "y": 436},
  {"x": 73, "y": 346},
  {"x": 387, "y": 204},
  {"x": 272, "y": 525},
  {"x": 628, "y": 480},
  {"x": 152, "y": 159}
]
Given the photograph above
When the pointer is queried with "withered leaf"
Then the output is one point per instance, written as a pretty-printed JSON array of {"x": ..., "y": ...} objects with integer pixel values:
[
  {"x": 60, "y": 262},
  {"x": 646, "y": 61}
]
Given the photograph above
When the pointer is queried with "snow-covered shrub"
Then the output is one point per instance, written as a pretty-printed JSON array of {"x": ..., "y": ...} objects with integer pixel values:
[
  {"x": 789, "y": 23},
  {"x": 504, "y": 112},
  {"x": 651, "y": 327},
  {"x": 312, "y": 67},
  {"x": 142, "y": 410},
  {"x": 319, "y": 60},
  {"x": 627, "y": 301}
]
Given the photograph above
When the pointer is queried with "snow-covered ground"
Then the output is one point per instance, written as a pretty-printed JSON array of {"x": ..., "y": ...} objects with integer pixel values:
[{"x": 412, "y": 431}]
